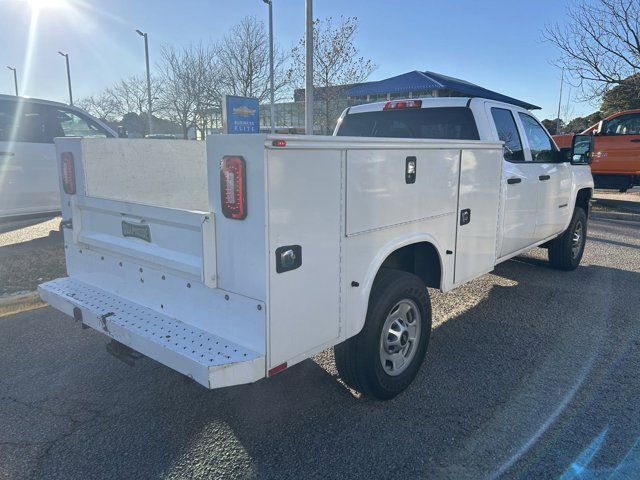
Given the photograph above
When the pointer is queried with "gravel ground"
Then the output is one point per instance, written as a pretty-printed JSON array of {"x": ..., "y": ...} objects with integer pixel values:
[
  {"x": 31, "y": 252},
  {"x": 531, "y": 373}
]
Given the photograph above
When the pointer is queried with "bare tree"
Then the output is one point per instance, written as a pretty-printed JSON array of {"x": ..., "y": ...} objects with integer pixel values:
[
  {"x": 242, "y": 62},
  {"x": 599, "y": 43},
  {"x": 188, "y": 86},
  {"x": 129, "y": 95},
  {"x": 126, "y": 99},
  {"x": 100, "y": 106},
  {"x": 336, "y": 62}
]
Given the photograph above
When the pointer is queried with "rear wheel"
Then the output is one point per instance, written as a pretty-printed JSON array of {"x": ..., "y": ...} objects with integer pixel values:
[
  {"x": 384, "y": 358},
  {"x": 565, "y": 252}
]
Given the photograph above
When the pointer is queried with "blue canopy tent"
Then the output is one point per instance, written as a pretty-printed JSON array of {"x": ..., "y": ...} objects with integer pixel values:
[{"x": 417, "y": 81}]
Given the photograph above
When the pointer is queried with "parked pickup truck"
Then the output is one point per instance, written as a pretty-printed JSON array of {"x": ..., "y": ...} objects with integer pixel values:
[
  {"x": 616, "y": 150},
  {"x": 232, "y": 261}
]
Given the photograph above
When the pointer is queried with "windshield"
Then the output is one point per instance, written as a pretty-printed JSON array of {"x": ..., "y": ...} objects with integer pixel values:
[{"x": 449, "y": 123}]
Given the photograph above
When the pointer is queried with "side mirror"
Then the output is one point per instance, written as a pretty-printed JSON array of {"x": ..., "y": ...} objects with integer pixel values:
[{"x": 581, "y": 150}]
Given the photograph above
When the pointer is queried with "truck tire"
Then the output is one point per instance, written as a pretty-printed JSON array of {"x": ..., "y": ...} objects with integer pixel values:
[
  {"x": 384, "y": 358},
  {"x": 565, "y": 252}
]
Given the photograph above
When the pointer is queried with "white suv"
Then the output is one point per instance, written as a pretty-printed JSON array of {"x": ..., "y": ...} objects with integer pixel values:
[{"x": 28, "y": 168}]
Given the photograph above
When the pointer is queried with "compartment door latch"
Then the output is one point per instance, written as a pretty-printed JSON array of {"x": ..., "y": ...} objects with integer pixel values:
[{"x": 465, "y": 216}]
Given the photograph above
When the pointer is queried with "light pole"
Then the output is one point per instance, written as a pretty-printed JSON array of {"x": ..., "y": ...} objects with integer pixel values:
[
  {"x": 15, "y": 78},
  {"x": 146, "y": 56},
  {"x": 66, "y": 56},
  {"x": 559, "y": 103},
  {"x": 308, "y": 89},
  {"x": 271, "y": 111}
]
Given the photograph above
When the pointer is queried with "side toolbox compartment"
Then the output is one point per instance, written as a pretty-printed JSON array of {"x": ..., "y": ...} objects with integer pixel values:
[{"x": 305, "y": 216}]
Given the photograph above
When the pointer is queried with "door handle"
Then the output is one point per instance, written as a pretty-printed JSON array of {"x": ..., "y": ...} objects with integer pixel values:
[
  {"x": 7, "y": 154},
  {"x": 635, "y": 140},
  {"x": 542, "y": 178},
  {"x": 512, "y": 181}
]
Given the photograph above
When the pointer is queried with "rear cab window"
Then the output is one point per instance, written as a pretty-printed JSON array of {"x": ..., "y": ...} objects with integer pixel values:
[{"x": 444, "y": 123}]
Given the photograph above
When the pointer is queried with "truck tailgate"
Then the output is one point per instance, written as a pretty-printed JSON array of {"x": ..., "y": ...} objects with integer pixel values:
[
  {"x": 169, "y": 238},
  {"x": 142, "y": 263}
]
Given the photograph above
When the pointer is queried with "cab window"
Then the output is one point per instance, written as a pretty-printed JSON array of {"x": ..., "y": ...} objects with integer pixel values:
[
  {"x": 447, "y": 123},
  {"x": 508, "y": 133},
  {"x": 35, "y": 123},
  {"x": 542, "y": 149},
  {"x": 65, "y": 123},
  {"x": 21, "y": 122},
  {"x": 628, "y": 124}
]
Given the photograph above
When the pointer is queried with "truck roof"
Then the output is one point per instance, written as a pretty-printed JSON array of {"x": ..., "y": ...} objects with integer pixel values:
[
  {"x": 34, "y": 100},
  {"x": 428, "y": 102}
]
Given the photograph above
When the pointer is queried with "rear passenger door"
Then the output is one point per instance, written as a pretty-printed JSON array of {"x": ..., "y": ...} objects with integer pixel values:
[
  {"x": 519, "y": 184},
  {"x": 554, "y": 179}
]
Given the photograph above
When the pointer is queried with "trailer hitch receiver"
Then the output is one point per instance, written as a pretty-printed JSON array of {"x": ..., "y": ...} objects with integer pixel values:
[{"x": 123, "y": 353}]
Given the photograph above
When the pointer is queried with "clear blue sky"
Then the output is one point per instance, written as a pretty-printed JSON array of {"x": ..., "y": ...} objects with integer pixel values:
[{"x": 494, "y": 43}]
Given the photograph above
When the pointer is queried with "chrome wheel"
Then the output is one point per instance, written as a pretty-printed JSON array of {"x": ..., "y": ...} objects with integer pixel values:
[
  {"x": 400, "y": 337},
  {"x": 576, "y": 241}
]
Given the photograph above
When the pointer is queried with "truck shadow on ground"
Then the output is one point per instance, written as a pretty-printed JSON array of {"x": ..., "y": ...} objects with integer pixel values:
[{"x": 520, "y": 383}]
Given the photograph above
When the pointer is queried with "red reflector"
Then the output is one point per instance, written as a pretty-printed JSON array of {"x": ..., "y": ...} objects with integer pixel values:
[
  {"x": 68, "y": 173},
  {"x": 279, "y": 143},
  {"x": 277, "y": 369},
  {"x": 400, "y": 104},
  {"x": 233, "y": 187}
]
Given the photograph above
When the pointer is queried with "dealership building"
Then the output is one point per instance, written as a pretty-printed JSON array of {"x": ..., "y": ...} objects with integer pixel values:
[{"x": 329, "y": 102}]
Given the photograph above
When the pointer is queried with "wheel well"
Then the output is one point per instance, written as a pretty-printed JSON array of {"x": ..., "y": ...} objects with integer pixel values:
[
  {"x": 583, "y": 198},
  {"x": 421, "y": 259}
]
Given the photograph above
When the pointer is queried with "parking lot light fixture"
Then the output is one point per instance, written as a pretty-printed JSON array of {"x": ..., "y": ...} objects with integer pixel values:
[
  {"x": 66, "y": 56},
  {"x": 146, "y": 56},
  {"x": 15, "y": 78}
]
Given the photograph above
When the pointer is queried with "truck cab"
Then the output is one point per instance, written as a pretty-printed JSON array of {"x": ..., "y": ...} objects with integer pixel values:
[{"x": 616, "y": 150}]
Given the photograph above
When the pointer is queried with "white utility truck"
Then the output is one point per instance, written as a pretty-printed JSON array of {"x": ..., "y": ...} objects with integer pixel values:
[{"x": 234, "y": 260}]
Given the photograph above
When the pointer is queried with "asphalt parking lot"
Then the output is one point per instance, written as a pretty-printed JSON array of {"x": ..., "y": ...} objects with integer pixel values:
[
  {"x": 31, "y": 252},
  {"x": 531, "y": 373}
]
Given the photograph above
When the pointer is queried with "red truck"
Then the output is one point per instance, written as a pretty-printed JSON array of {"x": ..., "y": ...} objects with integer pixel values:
[{"x": 616, "y": 150}]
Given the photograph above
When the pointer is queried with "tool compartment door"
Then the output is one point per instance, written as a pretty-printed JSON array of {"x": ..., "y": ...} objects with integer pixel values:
[
  {"x": 478, "y": 205},
  {"x": 304, "y": 210}
]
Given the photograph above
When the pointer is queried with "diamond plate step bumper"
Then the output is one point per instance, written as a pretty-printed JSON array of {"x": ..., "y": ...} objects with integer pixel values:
[{"x": 209, "y": 359}]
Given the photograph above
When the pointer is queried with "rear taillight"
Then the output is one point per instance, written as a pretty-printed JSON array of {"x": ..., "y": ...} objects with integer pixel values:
[
  {"x": 68, "y": 173},
  {"x": 400, "y": 104},
  {"x": 233, "y": 187}
]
